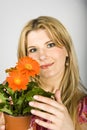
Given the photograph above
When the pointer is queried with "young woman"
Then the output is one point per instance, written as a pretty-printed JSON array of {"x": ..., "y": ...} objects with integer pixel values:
[{"x": 46, "y": 40}]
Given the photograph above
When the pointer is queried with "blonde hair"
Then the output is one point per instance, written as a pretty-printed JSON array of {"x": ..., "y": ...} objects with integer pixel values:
[{"x": 70, "y": 84}]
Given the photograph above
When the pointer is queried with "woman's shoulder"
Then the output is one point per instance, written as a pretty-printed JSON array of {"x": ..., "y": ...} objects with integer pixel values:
[{"x": 82, "y": 110}]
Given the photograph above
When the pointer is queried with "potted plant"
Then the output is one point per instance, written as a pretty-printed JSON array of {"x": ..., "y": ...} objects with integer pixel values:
[{"x": 21, "y": 84}]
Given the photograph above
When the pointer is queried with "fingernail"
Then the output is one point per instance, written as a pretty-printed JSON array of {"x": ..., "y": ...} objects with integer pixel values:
[
  {"x": 37, "y": 121},
  {"x": 35, "y": 97},
  {"x": 32, "y": 111},
  {"x": 31, "y": 103}
]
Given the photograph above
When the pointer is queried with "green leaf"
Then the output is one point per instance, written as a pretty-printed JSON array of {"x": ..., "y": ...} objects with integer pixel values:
[
  {"x": 27, "y": 110},
  {"x": 2, "y": 97},
  {"x": 20, "y": 100},
  {"x": 4, "y": 108}
]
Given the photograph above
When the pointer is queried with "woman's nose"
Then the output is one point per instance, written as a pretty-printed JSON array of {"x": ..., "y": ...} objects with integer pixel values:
[{"x": 42, "y": 55}]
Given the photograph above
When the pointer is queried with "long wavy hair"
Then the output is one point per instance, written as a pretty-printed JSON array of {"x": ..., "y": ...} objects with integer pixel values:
[{"x": 71, "y": 88}]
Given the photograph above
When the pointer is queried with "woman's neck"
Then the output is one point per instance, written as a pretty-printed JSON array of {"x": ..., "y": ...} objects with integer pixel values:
[{"x": 51, "y": 84}]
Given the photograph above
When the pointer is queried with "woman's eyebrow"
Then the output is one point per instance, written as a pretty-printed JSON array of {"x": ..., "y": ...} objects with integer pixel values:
[
  {"x": 30, "y": 47},
  {"x": 48, "y": 41}
]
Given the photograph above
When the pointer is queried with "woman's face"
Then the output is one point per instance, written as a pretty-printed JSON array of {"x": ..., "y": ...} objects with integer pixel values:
[{"x": 50, "y": 57}]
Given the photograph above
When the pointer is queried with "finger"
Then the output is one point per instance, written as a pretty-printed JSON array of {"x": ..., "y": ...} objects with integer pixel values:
[
  {"x": 46, "y": 124},
  {"x": 48, "y": 101},
  {"x": 43, "y": 115},
  {"x": 2, "y": 121}
]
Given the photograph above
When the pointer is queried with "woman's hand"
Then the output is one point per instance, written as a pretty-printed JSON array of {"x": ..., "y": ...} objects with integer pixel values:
[
  {"x": 2, "y": 125},
  {"x": 54, "y": 112}
]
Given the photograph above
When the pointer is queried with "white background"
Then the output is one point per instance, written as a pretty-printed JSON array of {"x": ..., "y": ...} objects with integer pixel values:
[{"x": 14, "y": 14}]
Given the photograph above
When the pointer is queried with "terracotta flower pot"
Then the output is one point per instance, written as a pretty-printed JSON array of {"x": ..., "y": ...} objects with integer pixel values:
[{"x": 18, "y": 123}]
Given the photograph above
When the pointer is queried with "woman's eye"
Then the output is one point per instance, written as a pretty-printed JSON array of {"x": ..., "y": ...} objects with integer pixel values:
[
  {"x": 32, "y": 50},
  {"x": 51, "y": 45}
]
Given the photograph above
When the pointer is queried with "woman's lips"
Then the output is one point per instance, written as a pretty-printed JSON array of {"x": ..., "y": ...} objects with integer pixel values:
[{"x": 46, "y": 66}]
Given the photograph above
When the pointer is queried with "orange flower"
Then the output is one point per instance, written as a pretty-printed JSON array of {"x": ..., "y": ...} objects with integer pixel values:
[
  {"x": 28, "y": 66},
  {"x": 17, "y": 81}
]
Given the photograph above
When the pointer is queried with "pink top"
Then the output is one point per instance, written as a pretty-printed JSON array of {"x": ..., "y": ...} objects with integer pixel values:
[{"x": 82, "y": 111}]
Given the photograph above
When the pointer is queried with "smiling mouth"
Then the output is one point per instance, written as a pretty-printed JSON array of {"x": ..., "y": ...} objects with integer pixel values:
[{"x": 46, "y": 66}]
